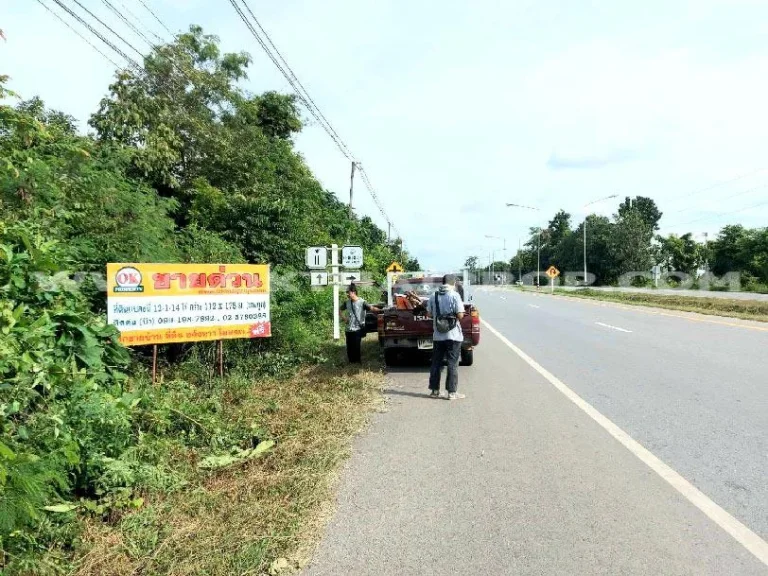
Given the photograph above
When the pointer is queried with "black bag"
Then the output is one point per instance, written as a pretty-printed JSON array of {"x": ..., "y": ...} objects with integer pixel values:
[
  {"x": 361, "y": 321},
  {"x": 446, "y": 323}
]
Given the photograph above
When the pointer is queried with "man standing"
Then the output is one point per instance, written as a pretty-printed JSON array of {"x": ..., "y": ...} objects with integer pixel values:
[
  {"x": 355, "y": 312},
  {"x": 447, "y": 309}
]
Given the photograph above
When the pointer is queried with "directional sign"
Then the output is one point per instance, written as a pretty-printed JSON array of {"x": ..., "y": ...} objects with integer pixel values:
[
  {"x": 349, "y": 277},
  {"x": 317, "y": 257},
  {"x": 318, "y": 278},
  {"x": 553, "y": 272},
  {"x": 352, "y": 256},
  {"x": 395, "y": 267}
]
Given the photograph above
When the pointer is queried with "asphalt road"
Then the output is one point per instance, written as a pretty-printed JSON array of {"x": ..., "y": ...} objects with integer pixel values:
[{"x": 519, "y": 479}]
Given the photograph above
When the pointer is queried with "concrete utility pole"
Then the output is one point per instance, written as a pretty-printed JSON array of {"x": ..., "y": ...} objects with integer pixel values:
[
  {"x": 351, "y": 187},
  {"x": 538, "y": 265}
]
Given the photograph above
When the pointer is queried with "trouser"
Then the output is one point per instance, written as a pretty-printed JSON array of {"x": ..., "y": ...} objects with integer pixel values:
[
  {"x": 449, "y": 350},
  {"x": 353, "y": 346}
]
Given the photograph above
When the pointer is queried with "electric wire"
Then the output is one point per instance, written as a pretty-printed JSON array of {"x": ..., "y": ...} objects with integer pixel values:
[{"x": 82, "y": 37}]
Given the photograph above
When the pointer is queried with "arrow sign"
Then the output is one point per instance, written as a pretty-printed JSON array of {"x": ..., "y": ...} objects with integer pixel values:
[
  {"x": 349, "y": 277},
  {"x": 318, "y": 278}
]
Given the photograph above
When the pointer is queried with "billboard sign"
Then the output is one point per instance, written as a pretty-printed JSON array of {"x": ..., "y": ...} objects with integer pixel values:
[{"x": 164, "y": 303}]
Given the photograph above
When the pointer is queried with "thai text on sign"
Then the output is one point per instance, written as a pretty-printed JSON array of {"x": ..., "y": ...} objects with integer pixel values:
[{"x": 164, "y": 303}]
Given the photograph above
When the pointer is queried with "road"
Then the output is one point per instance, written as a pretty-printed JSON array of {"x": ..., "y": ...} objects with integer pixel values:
[{"x": 594, "y": 440}]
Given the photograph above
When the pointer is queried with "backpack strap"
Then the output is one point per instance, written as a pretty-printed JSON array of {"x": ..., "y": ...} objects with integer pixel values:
[{"x": 437, "y": 305}]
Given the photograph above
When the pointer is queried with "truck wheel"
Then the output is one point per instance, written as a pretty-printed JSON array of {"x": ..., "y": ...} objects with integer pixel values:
[
  {"x": 390, "y": 356},
  {"x": 467, "y": 357}
]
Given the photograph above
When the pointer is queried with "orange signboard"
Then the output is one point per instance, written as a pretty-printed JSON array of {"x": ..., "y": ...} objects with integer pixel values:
[{"x": 164, "y": 303}]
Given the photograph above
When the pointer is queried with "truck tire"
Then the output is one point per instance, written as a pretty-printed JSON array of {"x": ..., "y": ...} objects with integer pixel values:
[
  {"x": 390, "y": 356},
  {"x": 467, "y": 357}
]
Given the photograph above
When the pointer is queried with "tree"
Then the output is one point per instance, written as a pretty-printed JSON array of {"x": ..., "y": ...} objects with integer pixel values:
[
  {"x": 645, "y": 207},
  {"x": 631, "y": 244},
  {"x": 471, "y": 263},
  {"x": 679, "y": 253},
  {"x": 600, "y": 232}
]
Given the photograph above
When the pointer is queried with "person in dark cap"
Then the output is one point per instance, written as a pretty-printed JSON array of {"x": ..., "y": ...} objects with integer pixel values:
[{"x": 355, "y": 311}]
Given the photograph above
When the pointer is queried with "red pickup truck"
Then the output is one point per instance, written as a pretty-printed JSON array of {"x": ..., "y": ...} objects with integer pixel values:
[{"x": 403, "y": 327}]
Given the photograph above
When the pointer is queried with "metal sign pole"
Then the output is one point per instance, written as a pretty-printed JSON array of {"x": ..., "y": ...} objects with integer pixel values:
[
  {"x": 335, "y": 276},
  {"x": 221, "y": 358}
]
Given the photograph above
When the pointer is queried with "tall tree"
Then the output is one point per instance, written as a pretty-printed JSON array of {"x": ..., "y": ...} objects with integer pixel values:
[{"x": 645, "y": 207}]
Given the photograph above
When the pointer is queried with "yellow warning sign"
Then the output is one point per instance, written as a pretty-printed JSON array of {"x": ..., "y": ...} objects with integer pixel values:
[
  {"x": 395, "y": 267},
  {"x": 553, "y": 272}
]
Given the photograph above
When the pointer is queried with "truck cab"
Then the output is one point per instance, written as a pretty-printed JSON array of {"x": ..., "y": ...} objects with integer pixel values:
[{"x": 405, "y": 326}]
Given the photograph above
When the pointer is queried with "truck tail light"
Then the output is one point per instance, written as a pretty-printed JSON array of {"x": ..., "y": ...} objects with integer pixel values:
[{"x": 475, "y": 314}]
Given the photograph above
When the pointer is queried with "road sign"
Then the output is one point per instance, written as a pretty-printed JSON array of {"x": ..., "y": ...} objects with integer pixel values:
[
  {"x": 318, "y": 278},
  {"x": 347, "y": 277},
  {"x": 553, "y": 272},
  {"x": 395, "y": 267},
  {"x": 317, "y": 257},
  {"x": 352, "y": 256}
]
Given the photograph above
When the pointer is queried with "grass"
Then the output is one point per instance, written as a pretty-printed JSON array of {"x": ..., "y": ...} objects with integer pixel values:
[
  {"x": 252, "y": 517},
  {"x": 744, "y": 309}
]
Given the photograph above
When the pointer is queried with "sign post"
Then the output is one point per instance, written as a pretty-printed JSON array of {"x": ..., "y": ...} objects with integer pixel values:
[
  {"x": 317, "y": 260},
  {"x": 335, "y": 276},
  {"x": 553, "y": 273}
]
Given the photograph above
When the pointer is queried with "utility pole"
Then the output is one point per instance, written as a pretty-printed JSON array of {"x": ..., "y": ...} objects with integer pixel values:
[
  {"x": 538, "y": 264},
  {"x": 519, "y": 262},
  {"x": 351, "y": 187},
  {"x": 335, "y": 275},
  {"x": 585, "y": 250}
]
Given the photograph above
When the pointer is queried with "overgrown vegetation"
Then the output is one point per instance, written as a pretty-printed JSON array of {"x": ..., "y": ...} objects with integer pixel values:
[{"x": 195, "y": 474}]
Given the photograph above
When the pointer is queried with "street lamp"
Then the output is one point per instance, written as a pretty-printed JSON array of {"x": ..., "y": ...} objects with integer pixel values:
[
  {"x": 493, "y": 261},
  {"x": 585, "y": 230},
  {"x": 538, "y": 258}
]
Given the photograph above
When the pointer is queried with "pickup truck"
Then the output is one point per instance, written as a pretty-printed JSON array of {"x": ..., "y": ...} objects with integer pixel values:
[{"x": 403, "y": 327}]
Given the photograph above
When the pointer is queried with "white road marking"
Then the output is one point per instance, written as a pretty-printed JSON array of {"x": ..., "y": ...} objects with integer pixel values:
[
  {"x": 613, "y": 327},
  {"x": 534, "y": 306},
  {"x": 503, "y": 297},
  {"x": 738, "y": 531}
]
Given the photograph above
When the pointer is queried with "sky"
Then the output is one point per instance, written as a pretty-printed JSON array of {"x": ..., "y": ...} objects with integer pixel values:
[{"x": 456, "y": 108}]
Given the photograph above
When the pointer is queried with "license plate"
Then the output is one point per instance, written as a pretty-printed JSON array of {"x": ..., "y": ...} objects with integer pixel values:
[{"x": 424, "y": 343}]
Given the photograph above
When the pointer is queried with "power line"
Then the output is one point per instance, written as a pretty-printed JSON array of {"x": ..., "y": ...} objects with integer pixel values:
[
  {"x": 279, "y": 61},
  {"x": 139, "y": 70},
  {"x": 712, "y": 217},
  {"x": 72, "y": 28},
  {"x": 350, "y": 156},
  {"x": 137, "y": 19},
  {"x": 740, "y": 193},
  {"x": 717, "y": 185},
  {"x": 127, "y": 22},
  {"x": 100, "y": 21},
  {"x": 148, "y": 9},
  {"x": 287, "y": 76},
  {"x": 95, "y": 32}
]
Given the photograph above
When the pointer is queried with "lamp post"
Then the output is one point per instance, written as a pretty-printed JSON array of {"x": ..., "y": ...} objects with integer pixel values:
[
  {"x": 504, "y": 240},
  {"x": 538, "y": 250},
  {"x": 585, "y": 230}
]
